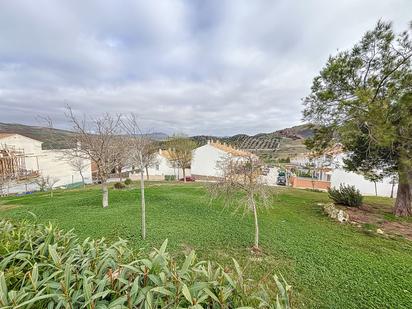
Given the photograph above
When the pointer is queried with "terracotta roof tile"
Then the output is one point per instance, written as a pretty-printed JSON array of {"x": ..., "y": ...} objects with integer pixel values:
[
  {"x": 165, "y": 154},
  {"x": 4, "y": 135},
  {"x": 231, "y": 150}
]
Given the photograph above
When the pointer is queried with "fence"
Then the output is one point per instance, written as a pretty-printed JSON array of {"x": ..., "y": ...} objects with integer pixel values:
[{"x": 308, "y": 183}]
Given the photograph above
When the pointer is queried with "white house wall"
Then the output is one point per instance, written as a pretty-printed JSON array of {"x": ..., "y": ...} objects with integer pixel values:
[
  {"x": 48, "y": 162},
  {"x": 366, "y": 187},
  {"x": 340, "y": 176},
  {"x": 205, "y": 161},
  {"x": 53, "y": 164},
  {"x": 30, "y": 146},
  {"x": 164, "y": 168}
]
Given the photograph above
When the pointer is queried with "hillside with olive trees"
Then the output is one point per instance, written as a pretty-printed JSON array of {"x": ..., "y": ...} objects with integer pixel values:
[{"x": 270, "y": 146}]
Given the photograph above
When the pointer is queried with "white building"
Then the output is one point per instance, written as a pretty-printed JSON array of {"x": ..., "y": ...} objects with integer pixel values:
[
  {"x": 329, "y": 167},
  {"x": 366, "y": 187},
  {"x": 205, "y": 161},
  {"x": 162, "y": 168},
  {"x": 47, "y": 162}
]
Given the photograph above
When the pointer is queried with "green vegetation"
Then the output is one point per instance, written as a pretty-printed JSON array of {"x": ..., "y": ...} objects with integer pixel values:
[
  {"x": 329, "y": 265},
  {"x": 119, "y": 185},
  {"x": 346, "y": 195},
  {"x": 44, "y": 267},
  {"x": 362, "y": 99},
  {"x": 170, "y": 177}
]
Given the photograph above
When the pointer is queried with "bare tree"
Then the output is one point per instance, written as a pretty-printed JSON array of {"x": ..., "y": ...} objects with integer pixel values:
[
  {"x": 46, "y": 183},
  {"x": 242, "y": 175},
  {"x": 75, "y": 159},
  {"x": 99, "y": 141},
  {"x": 181, "y": 152},
  {"x": 123, "y": 154},
  {"x": 141, "y": 150},
  {"x": 150, "y": 155}
]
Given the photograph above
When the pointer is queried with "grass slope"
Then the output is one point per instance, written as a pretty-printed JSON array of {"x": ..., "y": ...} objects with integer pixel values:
[{"x": 329, "y": 265}]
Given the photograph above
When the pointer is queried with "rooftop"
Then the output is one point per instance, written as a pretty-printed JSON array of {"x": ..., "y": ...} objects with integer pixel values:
[
  {"x": 4, "y": 135},
  {"x": 229, "y": 149}
]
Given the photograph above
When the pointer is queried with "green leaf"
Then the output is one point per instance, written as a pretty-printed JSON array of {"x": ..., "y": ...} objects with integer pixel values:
[
  {"x": 211, "y": 294},
  {"x": 118, "y": 302},
  {"x": 35, "y": 299},
  {"x": 186, "y": 293},
  {"x": 34, "y": 276},
  {"x": 3, "y": 290},
  {"x": 53, "y": 254},
  {"x": 162, "y": 249},
  {"x": 162, "y": 290},
  {"x": 187, "y": 262}
]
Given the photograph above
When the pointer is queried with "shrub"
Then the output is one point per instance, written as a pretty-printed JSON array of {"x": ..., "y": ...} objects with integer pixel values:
[
  {"x": 170, "y": 177},
  {"x": 44, "y": 267},
  {"x": 119, "y": 185},
  {"x": 128, "y": 181},
  {"x": 346, "y": 195}
]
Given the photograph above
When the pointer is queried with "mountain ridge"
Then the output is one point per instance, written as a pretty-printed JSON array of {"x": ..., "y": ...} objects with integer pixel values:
[{"x": 281, "y": 143}]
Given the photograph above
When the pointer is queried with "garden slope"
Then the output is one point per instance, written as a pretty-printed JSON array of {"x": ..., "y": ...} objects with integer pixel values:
[{"x": 329, "y": 265}]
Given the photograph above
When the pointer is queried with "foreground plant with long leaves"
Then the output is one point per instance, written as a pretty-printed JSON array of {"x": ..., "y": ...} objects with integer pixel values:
[{"x": 44, "y": 267}]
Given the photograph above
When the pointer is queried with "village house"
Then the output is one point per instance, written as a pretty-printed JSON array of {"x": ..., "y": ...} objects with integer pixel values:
[
  {"x": 327, "y": 171},
  {"x": 29, "y": 159},
  {"x": 205, "y": 161},
  {"x": 162, "y": 168}
]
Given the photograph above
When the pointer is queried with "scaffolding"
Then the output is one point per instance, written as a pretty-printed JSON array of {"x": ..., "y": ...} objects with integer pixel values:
[{"x": 13, "y": 165}]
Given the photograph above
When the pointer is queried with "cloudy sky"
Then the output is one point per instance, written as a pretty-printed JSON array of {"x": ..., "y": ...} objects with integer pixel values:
[{"x": 198, "y": 67}]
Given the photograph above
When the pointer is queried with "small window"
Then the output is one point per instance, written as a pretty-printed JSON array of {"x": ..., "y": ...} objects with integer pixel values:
[{"x": 157, "y": 167}]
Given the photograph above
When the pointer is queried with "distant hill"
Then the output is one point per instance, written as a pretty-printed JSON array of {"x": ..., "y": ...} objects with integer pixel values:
[
  {"x": 53, "y": 138},
  {"x": 36, "y": 132},
  {"x": 279, "y": 144}
]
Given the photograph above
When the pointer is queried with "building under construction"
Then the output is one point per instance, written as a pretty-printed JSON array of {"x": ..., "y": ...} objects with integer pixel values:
[{"x": 13, "y": 166}]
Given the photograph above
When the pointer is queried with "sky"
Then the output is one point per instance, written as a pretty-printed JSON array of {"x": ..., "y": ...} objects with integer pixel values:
[{"x": 195, "y": 67}]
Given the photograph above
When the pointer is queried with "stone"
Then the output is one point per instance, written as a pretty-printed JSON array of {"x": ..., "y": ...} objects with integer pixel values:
[
  {"x": 379, "y": 231},
  {"x": 335, "y": 213},
  {"x": 342, "y": 216}
]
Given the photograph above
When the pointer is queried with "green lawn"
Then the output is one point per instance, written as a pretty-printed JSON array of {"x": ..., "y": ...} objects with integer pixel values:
[{"x": 328, "y": 264}]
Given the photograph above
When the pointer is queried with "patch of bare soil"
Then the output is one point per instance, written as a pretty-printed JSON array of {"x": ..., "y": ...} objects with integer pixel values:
[
  {"x": 8, "y": 207},
  {"x": 398, "y": 228},
  {"x": 375, "y": 215}
]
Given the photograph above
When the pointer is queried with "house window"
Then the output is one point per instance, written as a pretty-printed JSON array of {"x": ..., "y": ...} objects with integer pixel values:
[{"x": 157, "y": 167}]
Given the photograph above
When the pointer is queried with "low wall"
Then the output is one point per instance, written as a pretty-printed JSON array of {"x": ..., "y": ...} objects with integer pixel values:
[
  {"x": 151, "y": 177},
  {"x": 205, "y": 178},
  {"x": 307, "y": 183}
]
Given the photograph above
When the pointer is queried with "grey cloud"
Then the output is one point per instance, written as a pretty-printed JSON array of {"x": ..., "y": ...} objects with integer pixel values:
[{"x": 200, "y": 67}]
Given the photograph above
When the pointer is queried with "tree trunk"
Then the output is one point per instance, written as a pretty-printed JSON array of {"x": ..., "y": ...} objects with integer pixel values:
[
  {"x": 81, "y": 175},
  {"x": 143, "y": 204},
  {"x": 147, "y": 173},
  {"x": 184, "y": 174},
  {"x": 403, "y": 201},
  {"x": 120, "y": 174},
  {"x": 376, "y": 189},
  {"x": 410, "y": 183},
  {"x": 256, "y": 224},
  {"x": 393, "y": 186},
  {"x": 105, "y": 191}
]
